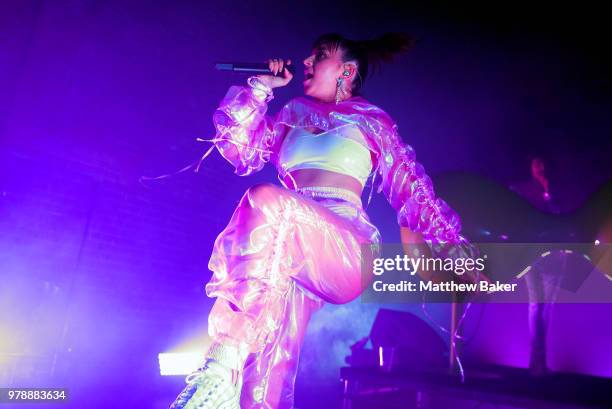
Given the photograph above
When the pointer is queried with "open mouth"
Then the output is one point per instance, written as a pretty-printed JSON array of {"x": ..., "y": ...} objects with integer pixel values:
[{"x": 307, "y": 77}]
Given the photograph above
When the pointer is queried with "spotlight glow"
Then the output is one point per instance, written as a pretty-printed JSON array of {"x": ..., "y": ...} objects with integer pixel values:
[{"x": 180, "y": 363}]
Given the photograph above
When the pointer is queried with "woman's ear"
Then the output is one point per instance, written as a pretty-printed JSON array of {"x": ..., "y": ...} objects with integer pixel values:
[{"x": 349, "y": 71}]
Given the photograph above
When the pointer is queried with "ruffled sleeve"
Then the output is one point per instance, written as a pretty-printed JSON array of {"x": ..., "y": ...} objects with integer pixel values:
[
  {"x": 410, "y": 191},
  {"x": 245, "y": 134}
]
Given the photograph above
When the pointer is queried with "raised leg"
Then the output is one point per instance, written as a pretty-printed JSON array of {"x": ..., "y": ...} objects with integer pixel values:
[{"x": 280, "y": 257}]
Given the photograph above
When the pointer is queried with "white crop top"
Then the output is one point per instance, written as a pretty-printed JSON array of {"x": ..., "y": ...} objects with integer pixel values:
[{"x": 342, "y": 150}]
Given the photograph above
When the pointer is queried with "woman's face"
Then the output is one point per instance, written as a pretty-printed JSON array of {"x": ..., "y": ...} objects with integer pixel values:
[{"x": 322, "y": 69}]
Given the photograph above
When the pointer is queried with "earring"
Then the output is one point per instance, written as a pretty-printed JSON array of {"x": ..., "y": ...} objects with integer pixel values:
[
  {"x": 346, "y": 73},
  {"x": 339, "y": 90}
]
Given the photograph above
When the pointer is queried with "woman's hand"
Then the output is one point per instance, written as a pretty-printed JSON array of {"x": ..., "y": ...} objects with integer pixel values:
[
  {"x": 414, "y": 246},
  {"x": 277, "y": 65}
]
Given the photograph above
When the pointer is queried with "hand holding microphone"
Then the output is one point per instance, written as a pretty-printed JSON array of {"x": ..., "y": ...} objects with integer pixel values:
[{"x": 276, "y": 66}]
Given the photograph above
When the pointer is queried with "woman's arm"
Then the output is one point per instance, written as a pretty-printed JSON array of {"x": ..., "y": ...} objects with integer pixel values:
[
  {"x": 406, "y": 185},
  {"x": 245, "y": 136},
  {"x": 410, "y": 192}
]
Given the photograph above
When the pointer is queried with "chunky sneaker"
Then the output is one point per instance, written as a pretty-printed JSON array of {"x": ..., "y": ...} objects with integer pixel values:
[{"x": 213, "y": 386}]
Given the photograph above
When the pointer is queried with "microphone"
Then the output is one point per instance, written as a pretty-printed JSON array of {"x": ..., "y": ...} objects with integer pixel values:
[{"x": 249, "y": 67}]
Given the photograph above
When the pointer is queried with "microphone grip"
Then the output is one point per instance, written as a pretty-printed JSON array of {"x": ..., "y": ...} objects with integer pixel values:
[{"x": 249, "y": 68}]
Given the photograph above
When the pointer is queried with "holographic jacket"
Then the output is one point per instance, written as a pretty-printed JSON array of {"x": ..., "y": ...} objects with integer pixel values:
[{"x": 249, "y": 138}]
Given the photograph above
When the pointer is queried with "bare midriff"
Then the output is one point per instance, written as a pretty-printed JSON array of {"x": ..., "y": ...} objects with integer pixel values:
[{"x": 321, "y": 177}]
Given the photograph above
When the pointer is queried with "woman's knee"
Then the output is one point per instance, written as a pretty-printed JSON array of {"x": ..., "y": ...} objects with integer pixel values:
[
  {"x": 334, "y": 287},
  {"x": 342, "y": 298}
]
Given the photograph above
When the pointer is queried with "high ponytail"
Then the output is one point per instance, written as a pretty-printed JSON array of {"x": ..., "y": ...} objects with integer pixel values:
[
  {"x": 385, "y": 48},
  {"x": 369, "y": 54}
]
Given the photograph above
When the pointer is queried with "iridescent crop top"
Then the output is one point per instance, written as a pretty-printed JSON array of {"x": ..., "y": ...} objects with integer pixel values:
[{"x": 342, "y": 149}]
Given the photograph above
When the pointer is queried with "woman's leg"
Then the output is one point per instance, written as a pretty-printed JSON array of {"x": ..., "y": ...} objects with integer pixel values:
[{"x": 278, "y": 259}]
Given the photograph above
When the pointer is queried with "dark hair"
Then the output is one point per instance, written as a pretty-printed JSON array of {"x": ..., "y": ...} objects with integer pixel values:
[{"x": 367, "y": 53}]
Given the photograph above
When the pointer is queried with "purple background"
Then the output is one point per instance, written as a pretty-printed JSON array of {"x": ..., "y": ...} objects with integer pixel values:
[{"x": 100, "y": 274}]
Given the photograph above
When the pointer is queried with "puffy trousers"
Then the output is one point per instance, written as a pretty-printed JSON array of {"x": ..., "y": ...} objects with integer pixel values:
[{"x": 279, "y": 259}]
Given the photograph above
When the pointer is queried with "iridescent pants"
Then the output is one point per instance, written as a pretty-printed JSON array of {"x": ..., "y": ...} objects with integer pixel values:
[{"x": 280, "y": 258}]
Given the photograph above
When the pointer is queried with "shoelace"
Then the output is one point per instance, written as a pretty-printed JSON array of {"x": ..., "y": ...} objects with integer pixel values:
[
  {"x": 210, "y": 381},
  {"x": 199, "y": 373}
]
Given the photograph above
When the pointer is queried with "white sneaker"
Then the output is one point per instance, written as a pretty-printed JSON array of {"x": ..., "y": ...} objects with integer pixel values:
[{"x": 213, "y": 386}]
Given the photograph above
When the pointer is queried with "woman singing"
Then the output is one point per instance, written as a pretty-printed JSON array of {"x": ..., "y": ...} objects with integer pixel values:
[{"x": 288, "y": 250}]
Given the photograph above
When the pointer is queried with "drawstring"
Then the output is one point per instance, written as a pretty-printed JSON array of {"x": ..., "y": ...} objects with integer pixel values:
[
  {"x": 197, "y": 164},
  {"x": 208, "y": 151},
  {"x": 282, "y": 182},
  {"x": 142, "y": 179},
  {"x": 219, "y": 139},
  {"x": 372, "y": 181},
  {"x": 290, "y": 177},
  {"x": 371, "y": 187}
]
